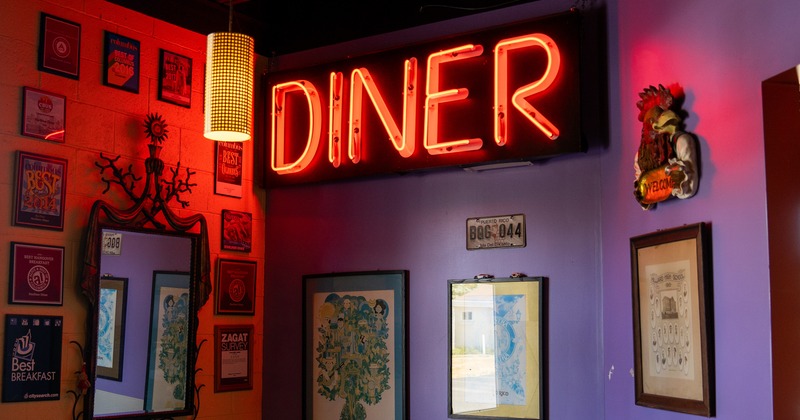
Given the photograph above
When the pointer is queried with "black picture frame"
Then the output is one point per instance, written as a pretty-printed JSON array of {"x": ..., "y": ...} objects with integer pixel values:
[
  {"x": 175, "y": 78},
  {"x": 59, "y": 46},
  {"x": 372, "y": 307},
  {"x": 237, "y": 230},
  {"x": 121, "y": 62},
  {"x": 497, "y": 353},
  {"x": 236, "y": 287},
  {"x": 44, "y": 115},
  {"x": 111, "y": 310},
  {"x": 233, "y": 357},
  {"x": 40, "y": 204},
  {"x": 673, "y": 319},
  {"x": 36, "y": 274}
]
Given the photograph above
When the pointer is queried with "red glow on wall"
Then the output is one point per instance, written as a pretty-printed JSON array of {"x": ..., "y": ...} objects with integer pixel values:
[{"x": 506, "y": 94}]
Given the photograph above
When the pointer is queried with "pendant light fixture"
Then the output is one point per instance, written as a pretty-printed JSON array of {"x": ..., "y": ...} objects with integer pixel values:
[{"x": 230, "y": 61}]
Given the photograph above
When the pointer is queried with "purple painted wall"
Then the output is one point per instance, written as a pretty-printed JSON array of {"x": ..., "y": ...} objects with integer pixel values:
[
  {"x": 580, "y": 213},
  {"x": 141, "y": 255}
]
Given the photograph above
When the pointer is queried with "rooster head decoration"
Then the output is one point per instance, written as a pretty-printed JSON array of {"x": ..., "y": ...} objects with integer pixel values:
[{"x": 665, "y": 164}]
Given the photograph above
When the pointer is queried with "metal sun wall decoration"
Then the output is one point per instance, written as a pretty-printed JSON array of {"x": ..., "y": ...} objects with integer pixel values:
[
  {"x": 150, "y": 206},
  {"x": 666, "y": 162}
]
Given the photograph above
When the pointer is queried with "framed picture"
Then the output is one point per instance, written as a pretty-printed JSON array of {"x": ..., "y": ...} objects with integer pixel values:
[
  {"x": 497, "y": 348},
  {"x": 236, "y": 287},
  {"x": 165, "y": 387},
  {"x": 44, "y": 114},
  {"x": 228, "y": 170},
  {"x": 233, "y": 357},
  {"x": 121, "y": 62},
  {"x": 41, "y": 191},
  {"x": 355, "y": 332},
  {"x": 672, "y": 320},
  {"x": 59, "y": 46},
  {"x": 32, "y": 358},
  {"x": 237, "y": 231},
  {"x": 175, "y": 78},
  {"x": 111, "y": 327},
  {"x": 37, "y": 274}
]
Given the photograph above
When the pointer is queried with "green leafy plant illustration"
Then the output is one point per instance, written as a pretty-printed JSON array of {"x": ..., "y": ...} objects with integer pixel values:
[{"x": 352, "y": 353}]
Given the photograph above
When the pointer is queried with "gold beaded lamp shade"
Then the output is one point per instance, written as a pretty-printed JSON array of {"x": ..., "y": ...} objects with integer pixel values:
[{"x": 229, "y": 87}]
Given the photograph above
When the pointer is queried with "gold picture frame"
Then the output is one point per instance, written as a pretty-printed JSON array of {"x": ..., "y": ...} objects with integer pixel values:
[{"x": 672, "y": 318}]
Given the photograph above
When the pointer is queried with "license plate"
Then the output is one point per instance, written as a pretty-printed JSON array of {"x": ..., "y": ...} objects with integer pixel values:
[{"x": 496, "y": 232}]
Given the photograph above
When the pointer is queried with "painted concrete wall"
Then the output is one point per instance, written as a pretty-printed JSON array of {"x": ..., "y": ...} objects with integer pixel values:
[
  {"x": 581, "y": 215},
  {"x": 104, "y": 120}
]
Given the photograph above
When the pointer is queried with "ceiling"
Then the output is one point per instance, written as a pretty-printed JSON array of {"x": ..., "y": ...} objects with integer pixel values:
[{"x": 282, "y": 27}]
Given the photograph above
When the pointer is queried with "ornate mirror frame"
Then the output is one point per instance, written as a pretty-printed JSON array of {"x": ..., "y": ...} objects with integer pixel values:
[{"x": 149, "y": 213}]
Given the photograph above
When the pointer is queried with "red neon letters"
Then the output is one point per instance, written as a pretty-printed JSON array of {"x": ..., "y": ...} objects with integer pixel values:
[{"x": 402, "y": 135}]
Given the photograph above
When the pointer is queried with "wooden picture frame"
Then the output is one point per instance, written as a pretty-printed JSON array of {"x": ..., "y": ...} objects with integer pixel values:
[
  {"x": 121, "y": 61},
  {"x": 37, "y": 274},
  {"x": 236, "y": 287},
  {"x": 41, "y": 191},
  {"x": 497, "y": 348},
  {"x": 175, "y": 78},
  {"x": 111, "y": 310},
  {"x": 44, "y": 115},
  {"x": 233, "y": 357},
  {"x": 672, "y": 319},
  {"x": 355, "y": 331},
  {"x": 59, "y": 46}
]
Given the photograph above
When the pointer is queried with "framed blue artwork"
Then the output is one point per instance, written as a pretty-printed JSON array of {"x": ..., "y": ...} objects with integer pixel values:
[
  {"x": 111, "y": 327},
  {"x": 355, "y": 332},
  {"x": 497, "y": 348},
  {"x": 169, "y": 343}
]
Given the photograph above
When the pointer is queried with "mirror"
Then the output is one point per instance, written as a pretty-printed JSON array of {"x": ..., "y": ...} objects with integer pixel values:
[
  {"x": 146, "y": 274},
  {"x": 145, "y": 291},
  {"x": 143, "y": 349}
]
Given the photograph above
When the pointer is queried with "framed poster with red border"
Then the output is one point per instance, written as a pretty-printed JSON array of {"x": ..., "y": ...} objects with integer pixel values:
[
  {"x": 37, "y": 274},
  {"x": 59, "y": 46},
  {"x": 233, "y": 357},
  {"x": 41, "y": 191},
  {"x": 236, "y": 287}
]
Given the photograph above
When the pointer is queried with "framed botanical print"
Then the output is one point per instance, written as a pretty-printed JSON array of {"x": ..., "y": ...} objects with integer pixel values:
[
  {"x": 672, "y": 317},
  {"x": 165, "y": 386},
  {"x": 354, "y": 332}
]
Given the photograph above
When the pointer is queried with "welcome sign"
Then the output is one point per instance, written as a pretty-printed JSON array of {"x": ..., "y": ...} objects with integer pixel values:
[
  {"x": 507, "y": 94},
  {"x": 32, "y": 358}
]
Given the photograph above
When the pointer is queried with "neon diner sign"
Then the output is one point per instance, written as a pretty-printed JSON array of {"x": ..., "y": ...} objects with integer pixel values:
[{"x": 464, "y": 106}]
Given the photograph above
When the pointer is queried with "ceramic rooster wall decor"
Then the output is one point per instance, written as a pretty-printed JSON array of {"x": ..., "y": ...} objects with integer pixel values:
[{"x": 666, "y": 162}]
